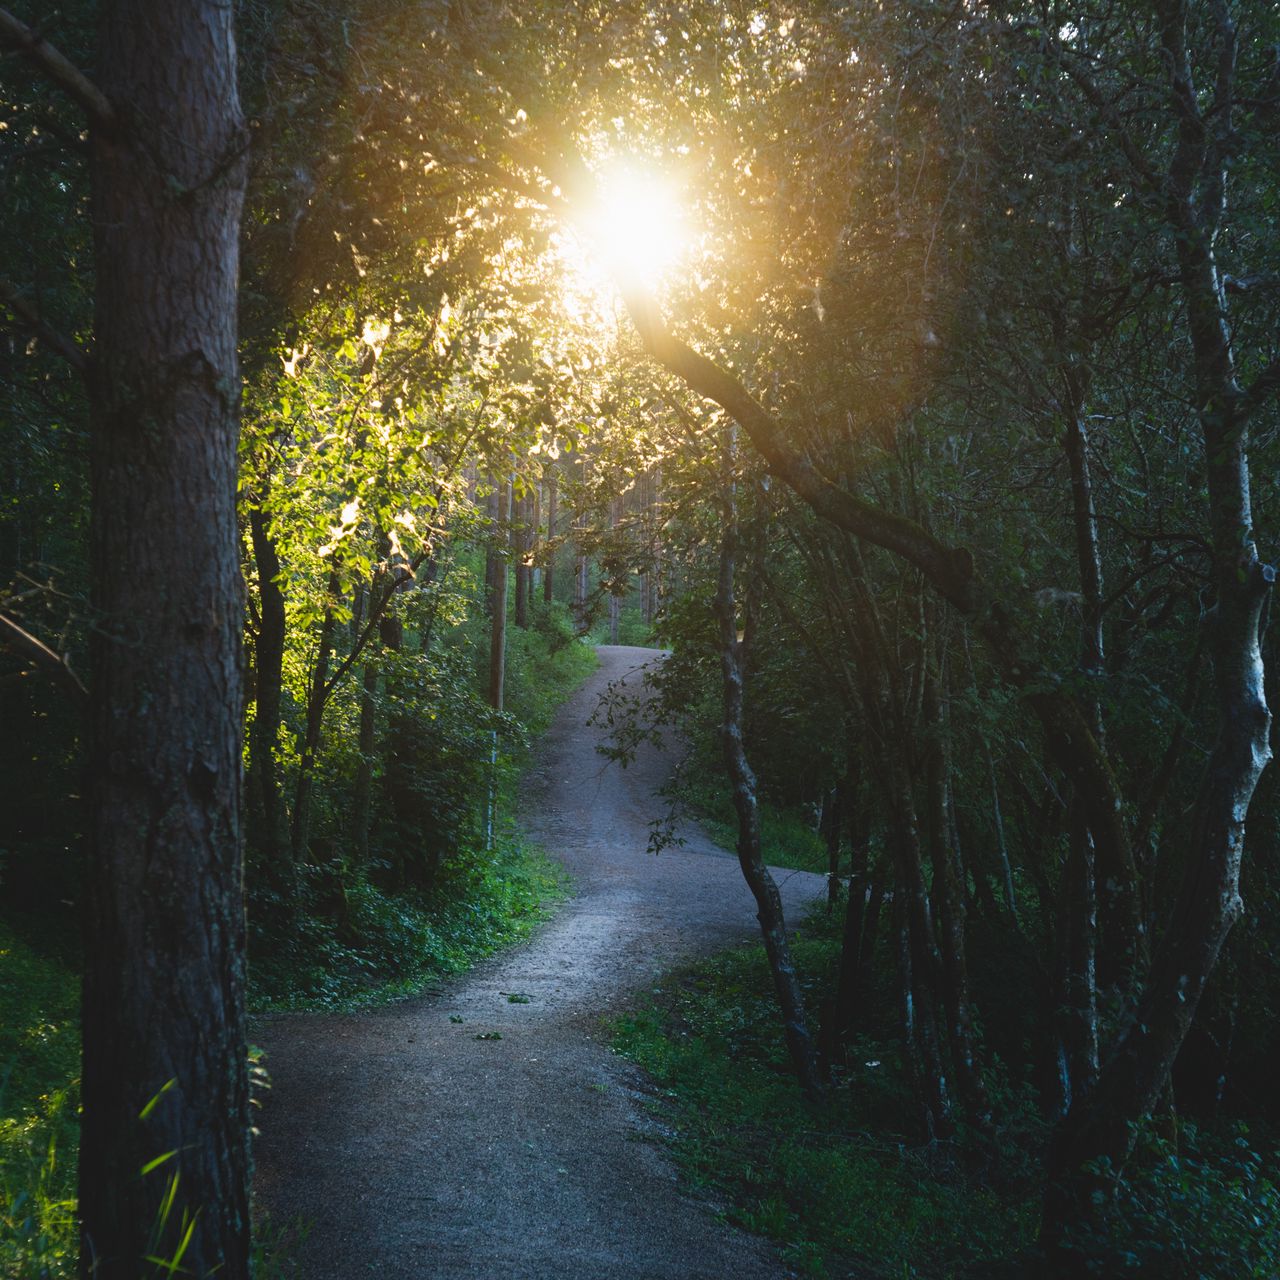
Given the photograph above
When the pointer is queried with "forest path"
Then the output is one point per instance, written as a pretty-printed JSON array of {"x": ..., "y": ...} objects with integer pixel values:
[{"x": 416, "y": 1150}]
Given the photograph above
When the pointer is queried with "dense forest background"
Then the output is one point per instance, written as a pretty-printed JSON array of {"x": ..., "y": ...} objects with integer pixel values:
[{"x": 941, "y": 454}]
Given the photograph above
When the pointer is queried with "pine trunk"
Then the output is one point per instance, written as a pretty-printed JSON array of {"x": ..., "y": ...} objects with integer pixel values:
[{"x": 164, "y": 1070}]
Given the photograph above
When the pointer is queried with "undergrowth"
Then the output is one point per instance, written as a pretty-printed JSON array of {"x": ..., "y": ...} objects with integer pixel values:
[
  {"x": 787, "y": 839},
  {"x": 841, "y": 1187},
  {"x": 39, "y": 1070},
  {"x": 850, "y": 1192},
  {"x": 378, "y": 946},
  {"x": 389, "y": 946}
]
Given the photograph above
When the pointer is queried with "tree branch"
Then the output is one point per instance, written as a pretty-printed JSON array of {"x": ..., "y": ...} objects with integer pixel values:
[
  {"x": 26, "y": 646},
  {"x": 66, "y": 75},
  {"x": 1256, "y": 282},
  {"x": 32, "y": 320}
]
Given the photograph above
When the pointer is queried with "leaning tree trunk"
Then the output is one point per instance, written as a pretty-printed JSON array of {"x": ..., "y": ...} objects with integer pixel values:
[
  {"x": 764, "y": 889},
  {"x": 165, "y": 1129}
]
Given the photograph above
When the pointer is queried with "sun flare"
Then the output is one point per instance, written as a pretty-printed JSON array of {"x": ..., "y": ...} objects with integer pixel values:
[{"x": 638, "y": 229}]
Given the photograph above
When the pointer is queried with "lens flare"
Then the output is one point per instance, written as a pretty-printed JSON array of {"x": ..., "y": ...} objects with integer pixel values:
[{"x": 637, "y": 228}]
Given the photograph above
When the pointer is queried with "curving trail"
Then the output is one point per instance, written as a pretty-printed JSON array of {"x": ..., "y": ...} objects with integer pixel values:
[{"x": 418, "y": 1151}]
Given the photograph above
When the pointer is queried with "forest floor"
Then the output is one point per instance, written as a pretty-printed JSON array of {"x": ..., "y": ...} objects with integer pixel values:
[{"x": 487, "y": 1130}]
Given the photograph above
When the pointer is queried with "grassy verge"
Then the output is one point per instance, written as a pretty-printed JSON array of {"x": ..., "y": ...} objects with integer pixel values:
[
  {"x": 841, "y": 1188},
  {"x": 786, "y": 836},
  {"x": 383, "y": 946}
]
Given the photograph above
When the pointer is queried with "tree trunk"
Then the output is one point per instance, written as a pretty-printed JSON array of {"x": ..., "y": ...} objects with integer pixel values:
[
  {"x": 925, "y": 962},
  {"x": 763, "y": 888},
  {"x": 832, "y": 814},
  {"x": 268, "y": 832},
  {"x": 497, "y": 664},
  {"x": 362, "y": 799},
  {"x": 856, "y": 937},
  {"x": 164, "y": 1071},
  {"x": 498, "y": 605},
  {"x": 317, "y": 698},
  {"x": 1136, "y": 1072},
  {"x": 549, "y": 562},
  {"x": 524, "y": 571},
  {"x": 1076, "y": 995},
  {"x": 948, "y": 884}
]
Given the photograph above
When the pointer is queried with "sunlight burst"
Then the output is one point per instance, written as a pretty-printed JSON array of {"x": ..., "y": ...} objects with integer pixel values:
[{"x": 638, "y": 229}]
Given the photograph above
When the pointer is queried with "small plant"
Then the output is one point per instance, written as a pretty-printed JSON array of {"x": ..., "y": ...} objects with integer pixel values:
[{"x": 1194, "y": 1208}]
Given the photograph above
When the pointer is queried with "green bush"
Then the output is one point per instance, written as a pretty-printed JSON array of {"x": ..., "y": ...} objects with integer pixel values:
[{"x": 1198, "y": 1208}]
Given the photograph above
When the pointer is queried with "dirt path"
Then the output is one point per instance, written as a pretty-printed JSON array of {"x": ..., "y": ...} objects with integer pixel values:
[{"x": 418, "y": 1151}]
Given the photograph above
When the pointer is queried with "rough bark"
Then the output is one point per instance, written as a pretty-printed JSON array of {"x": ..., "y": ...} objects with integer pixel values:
[{"x": 164, "y": 1071}]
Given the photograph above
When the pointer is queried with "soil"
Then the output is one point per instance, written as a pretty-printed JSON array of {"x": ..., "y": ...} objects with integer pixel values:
[{"x": 416, "y": 1144}]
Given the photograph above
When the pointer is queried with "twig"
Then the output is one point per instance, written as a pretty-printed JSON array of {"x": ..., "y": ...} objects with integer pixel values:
[
  {"x": 23, "y": 643},
  {"x": 32, "y": 319}
]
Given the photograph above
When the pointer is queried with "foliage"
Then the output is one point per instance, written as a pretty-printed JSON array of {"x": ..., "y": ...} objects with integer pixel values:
[
  {"x": 39, "y": 1072},
  {"x": 1194, "y": 1206},
  {"x": 388, "y": 946},
  {"x": 787, "y": 836}
]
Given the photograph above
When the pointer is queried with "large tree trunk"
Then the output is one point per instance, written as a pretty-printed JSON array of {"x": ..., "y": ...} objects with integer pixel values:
[{"x": 164, "y": 1074}]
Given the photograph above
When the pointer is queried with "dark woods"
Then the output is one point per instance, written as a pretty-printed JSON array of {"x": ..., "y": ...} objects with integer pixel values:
[{"x": 943, "y": 460}]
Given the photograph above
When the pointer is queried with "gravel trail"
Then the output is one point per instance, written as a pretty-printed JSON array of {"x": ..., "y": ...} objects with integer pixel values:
[{"x": 416, "y": 1150}]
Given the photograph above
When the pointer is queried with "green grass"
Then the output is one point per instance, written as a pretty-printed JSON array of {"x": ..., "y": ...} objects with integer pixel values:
[
  {"x": 841, "y": 1187},
  {"x": 787, "y": 838},
  {"x": 632, "y": 629},
  {"x": 39, "y": 1073},
  {"x": 545, "y": 664}
]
